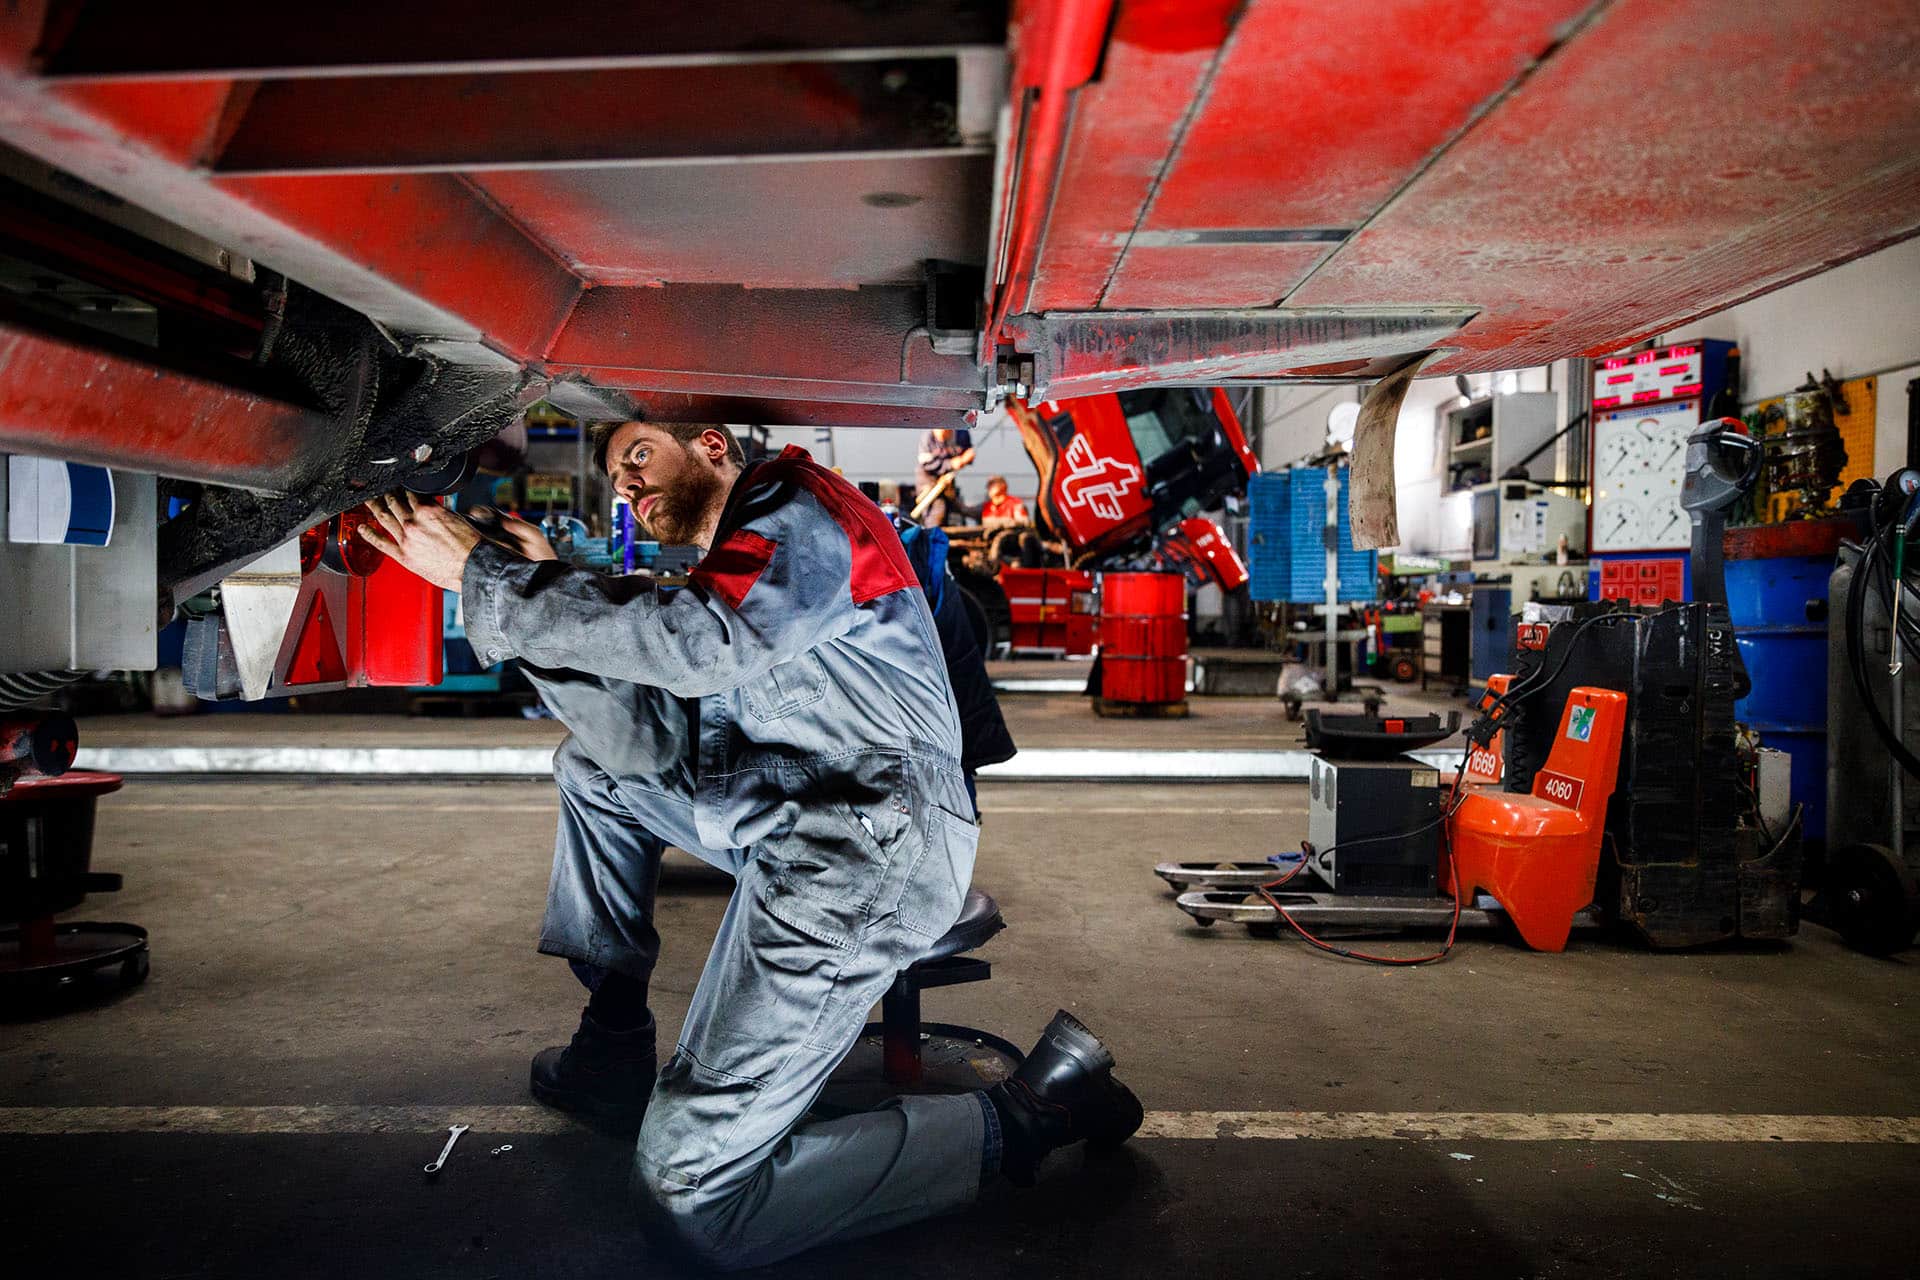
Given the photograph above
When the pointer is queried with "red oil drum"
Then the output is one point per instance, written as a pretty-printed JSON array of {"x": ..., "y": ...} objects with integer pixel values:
[{"x": 1143, "y": 637}]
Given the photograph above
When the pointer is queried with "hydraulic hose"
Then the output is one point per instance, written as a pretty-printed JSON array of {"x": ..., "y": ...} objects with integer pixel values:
[
  {"x": 1870, "y": 554},
  {"x": 23, "y": 687}
]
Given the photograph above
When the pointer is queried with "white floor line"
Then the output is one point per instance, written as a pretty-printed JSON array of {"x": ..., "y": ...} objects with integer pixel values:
[
  {"x": 1035, "y": 764},
  {"x": 1063, "y": 811},
  {"x": 1467, "y": 1126},
  {"x": 1045, "y": 684},
  {"x": 1281, "y": 1126},
  {"x": 383, "y": 806},
  {"x": 335, "y": 806}
]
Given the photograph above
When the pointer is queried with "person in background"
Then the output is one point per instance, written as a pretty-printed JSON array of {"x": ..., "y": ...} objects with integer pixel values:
[
  {"x": 943, "y": 451},
  {"x": 1002, "y": 507}
]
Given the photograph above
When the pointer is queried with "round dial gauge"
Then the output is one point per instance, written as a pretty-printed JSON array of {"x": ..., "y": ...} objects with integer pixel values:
[
  {"x": 1618, "y": 451},
  {"x": 1663, "y": 526},
  {"x": 1618, "y": 524},
  {"x": 1665, "y": 449}
]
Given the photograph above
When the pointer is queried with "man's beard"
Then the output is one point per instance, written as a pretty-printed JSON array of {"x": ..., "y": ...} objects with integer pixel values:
[{"x": 676, "y": 517}]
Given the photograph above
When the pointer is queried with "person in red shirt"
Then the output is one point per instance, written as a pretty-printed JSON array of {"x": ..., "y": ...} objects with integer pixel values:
[{"x": 1001, "y": 506}]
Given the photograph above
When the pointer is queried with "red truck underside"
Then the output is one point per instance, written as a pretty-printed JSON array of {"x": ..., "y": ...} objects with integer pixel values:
[{"x": 724, "y": 209}]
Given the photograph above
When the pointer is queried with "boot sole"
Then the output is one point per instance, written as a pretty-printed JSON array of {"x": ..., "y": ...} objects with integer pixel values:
[{"x": 1072, "y": 1036}]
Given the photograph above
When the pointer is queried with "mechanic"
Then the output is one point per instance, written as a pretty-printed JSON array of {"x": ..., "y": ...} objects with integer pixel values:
[
  {"x": 943, "y": 451},
  {"x": 786, "y": 717},
  {"x": 1000, "y": 506}
]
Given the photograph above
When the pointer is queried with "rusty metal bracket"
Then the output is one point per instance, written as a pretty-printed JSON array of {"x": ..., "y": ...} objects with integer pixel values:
[
  {"x": 1081, "y": 353},
  {"x": 373, "y": 408}
]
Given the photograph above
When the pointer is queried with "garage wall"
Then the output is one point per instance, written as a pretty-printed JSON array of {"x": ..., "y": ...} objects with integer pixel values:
[
  {"x": 1431, "y": 523},
  {"x": 1860, "y": 318}
]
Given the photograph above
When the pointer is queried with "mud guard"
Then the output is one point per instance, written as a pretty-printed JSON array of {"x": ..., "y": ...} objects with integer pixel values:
[{"x": 1372, "y": 504}]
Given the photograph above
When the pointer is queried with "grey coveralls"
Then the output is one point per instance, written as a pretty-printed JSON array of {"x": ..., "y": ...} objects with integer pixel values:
[{"x": 788, "y": 718}]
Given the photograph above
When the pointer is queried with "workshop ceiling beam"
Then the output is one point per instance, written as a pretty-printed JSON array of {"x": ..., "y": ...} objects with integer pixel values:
[
  {"x": 1093, "y": 352},
  {"x": 593, "y": 403},
  {"x": 227, "y": 39},
  {"x": 850, "y": 346},
  {"x": 635, "y": 116}
]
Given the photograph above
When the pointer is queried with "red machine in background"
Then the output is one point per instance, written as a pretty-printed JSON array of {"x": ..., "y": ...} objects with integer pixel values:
[
  {"x": 1120, "y": 472},
  {"x": 1124, "y": 480}
]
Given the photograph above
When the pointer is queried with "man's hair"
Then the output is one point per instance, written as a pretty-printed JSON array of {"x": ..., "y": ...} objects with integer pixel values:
[
  {"x": 996, "y": 480},
  {"x": 600, "y": 435}
]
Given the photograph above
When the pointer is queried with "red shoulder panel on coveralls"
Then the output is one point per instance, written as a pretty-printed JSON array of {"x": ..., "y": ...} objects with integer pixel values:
[
  {"x": 730, "y": 569},
  {"x": 880, "y": 564}
]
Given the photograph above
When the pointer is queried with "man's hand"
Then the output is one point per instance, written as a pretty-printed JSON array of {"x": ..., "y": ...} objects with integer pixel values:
[
  {"x": 962, "y": 460},
  {"x": 516, "y": 535},
  {"x": 424, "y": 536}
]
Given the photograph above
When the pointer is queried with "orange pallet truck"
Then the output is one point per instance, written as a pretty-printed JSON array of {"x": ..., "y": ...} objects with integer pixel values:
[
  {"x": 1538, "y": 854},
  {"x": 1530, "y": 858}
]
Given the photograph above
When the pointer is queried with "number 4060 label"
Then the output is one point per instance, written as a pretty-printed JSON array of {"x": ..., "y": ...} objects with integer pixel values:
[{"x": 1560, "y": 789}]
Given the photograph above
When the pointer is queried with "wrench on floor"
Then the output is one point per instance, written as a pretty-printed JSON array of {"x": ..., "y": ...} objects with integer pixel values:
[{"x": 453, "y": 1136}]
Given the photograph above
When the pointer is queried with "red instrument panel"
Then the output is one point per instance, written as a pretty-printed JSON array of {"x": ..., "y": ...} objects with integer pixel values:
[{"x": 1665, "y": 373}]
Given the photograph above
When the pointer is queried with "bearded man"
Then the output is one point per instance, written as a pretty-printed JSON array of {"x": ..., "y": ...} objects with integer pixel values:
[{"x": 786, "y": 717}]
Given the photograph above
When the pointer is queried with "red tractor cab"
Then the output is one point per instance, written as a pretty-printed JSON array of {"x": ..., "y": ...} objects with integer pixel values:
[
  {"x": 1120, "y": 473},
  {"x": 1123, "y": 477}
]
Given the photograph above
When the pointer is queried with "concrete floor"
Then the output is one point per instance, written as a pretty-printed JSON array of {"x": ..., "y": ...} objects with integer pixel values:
[{"x": 356, "y": 946}]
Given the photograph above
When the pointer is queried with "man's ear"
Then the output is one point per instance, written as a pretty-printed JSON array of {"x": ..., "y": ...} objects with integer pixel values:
[{"x": 715, "y": 445}]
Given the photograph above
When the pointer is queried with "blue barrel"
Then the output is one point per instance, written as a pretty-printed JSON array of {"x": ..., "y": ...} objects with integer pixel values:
[{"x": 1777, "y": 601}]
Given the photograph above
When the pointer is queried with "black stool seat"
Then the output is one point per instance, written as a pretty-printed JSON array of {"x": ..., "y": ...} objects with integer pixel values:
[{"x": 979, "y": 920}]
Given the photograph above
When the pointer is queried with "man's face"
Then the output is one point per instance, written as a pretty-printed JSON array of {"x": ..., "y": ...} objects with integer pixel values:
[
  {"x": 996, "y": 491},
  {"x": 671, "y": 486}
]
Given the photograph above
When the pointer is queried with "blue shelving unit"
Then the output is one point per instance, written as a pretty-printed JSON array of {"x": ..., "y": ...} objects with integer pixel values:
[{"x": 1286, "y": 551}]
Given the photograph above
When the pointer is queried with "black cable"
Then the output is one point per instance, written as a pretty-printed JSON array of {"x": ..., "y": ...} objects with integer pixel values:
[
  {"x": 1391, "y": 838},
  {"x": 18, "y": 689},
  {"x": 1857, "y": 655},
  {"x": 1759, "y": 818},
  {"x": 1909, "y": 626},
  {"x": 1786, "y": 832},
  {"x": 1488, "y": 720}
]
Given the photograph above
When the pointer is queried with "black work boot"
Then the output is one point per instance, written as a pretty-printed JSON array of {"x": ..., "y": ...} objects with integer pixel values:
[
  {"x": 1063, "y": 1093},
  {"x": 604, "y": 1076}
]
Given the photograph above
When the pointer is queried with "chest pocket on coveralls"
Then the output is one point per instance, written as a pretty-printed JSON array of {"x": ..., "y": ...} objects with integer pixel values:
[{"x": 787, "y": 688}]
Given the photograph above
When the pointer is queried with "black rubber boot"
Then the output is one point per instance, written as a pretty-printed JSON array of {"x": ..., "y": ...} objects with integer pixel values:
[
  {"x": 1063, "y": 1093},
  {"x": 603, "y": 1076}
]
